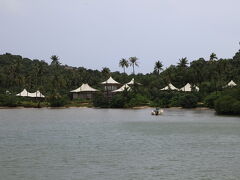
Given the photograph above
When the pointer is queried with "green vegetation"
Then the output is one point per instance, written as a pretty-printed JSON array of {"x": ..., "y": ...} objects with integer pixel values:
[{"x": 55, "y": 81}]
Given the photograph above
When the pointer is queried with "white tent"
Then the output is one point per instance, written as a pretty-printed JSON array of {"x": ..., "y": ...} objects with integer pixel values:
[
  {"x": 110, "y": 81},
  {"x": 189, "y": 88},
  {"x": 36, "y": 94},
  {"x": 84, "y": 88},
  {"x": 231, "y": 84},
  {"x": 169, "y": 87},
  {"x": 132, "y": 82},
  {"x": 24, "y": 93},
  {"x": 124, "y": 87}
]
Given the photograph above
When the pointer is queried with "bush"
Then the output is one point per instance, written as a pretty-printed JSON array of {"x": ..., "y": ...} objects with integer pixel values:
[
  {"x": 209, "y": 101},
  {"x": 8, "y": 100},
  {"x": 188, "y": 101},
  {"x": 100, "y": 101},
  {"x": 118, "y": 101},
  {"x": 56, "y": 100},
  {"x": 227, "y": 105}
]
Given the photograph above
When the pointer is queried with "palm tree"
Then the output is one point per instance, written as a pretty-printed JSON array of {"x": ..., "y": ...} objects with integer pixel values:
[
  {"x": 55, "y": 60},
  {"x": 133, "y": 62},
  {"x": 158, "y": 67},
  {"x": 183, "y": 62},
  {"x": 213, "y": 57},
  {"x": 124, "y": 64}
]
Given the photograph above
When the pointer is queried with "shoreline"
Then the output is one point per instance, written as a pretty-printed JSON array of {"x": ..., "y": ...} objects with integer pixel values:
[{"x": 133, "y": 108}]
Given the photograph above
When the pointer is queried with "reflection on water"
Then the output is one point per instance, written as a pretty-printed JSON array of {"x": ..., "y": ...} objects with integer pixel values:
[{"x": 106, "y": 144}]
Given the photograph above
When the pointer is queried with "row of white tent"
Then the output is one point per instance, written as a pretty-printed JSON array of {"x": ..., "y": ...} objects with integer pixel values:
[
  {"x": 188, "y": 87},
  {"x": 87, "y": 88},
  {"x": 36, "y": 94}
]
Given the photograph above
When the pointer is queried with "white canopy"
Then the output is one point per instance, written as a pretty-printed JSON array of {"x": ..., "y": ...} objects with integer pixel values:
[
  {"x": 124, "y": 87},
  {"x": 169, "y": 87},
  {"x": 189, "y": 88},
  {"x": 84, "y": 88},
  {"x": 231, "y": 84},
  {"x": 132, "y": 82},
  {"x": 24, "y": 93},
  {"x": 110, "y": 81},
  {"x": 36, "y": 94}
]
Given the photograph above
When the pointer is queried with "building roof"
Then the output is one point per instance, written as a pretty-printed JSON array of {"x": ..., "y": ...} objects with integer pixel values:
[
  {"x": 36, "y": 94},
  {"x": 110, "y": 81},
  {"x": 84, "y": 88},
  {"x": 169, "y": 87},
  {"x": 132, "y": 82},
  {"x": 189, "y": 88},
  {"x": 231, "y": 84},
  {"x": 24, "y": 93},
  {"x": 124, "y": 87}
]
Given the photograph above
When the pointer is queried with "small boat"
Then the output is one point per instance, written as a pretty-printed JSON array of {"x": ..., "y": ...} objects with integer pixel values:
[{"x": 157, "y": 112}]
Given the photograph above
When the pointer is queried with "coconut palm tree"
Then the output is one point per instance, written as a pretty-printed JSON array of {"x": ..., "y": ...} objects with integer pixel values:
[
  {"x": 158, "y": 67},
  {"x": 183, "y": 62},
  {"x": 124, "y": 64},
  {"x": 213, "y": 57},
  {"x": 133, "y": 63},
  {"x": 55, "y": 60}
]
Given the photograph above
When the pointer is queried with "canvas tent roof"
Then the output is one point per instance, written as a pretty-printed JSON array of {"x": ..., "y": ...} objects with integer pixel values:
[
  {"x": 189, "y": 88},
  {"x": 231, "y": 83},
  {"x": 84, "y": 88},
  {"x": 170, "y": 87},
  {"x": 24, "y": 93},
  {"x": 124, "y": 87},
  {"x": 132, "y": 82},
  {"x": 110, "y": 81},
  {"x": 36, "y": 94}
]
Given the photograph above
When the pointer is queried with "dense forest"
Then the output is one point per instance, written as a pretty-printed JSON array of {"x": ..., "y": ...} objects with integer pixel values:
[{"x": 56, "y": 80}]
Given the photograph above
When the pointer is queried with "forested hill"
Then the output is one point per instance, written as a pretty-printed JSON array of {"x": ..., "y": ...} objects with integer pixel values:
[{"x": 210, "y": 75}]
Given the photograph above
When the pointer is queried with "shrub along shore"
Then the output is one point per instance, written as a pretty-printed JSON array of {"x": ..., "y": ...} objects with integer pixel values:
[{"x": 56, "y": 80}]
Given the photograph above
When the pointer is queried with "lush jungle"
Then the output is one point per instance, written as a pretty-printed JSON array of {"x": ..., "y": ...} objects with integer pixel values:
[{"x": 56, "y": 80}]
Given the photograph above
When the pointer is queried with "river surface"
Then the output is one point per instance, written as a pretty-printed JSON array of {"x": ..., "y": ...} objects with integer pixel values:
[{"x": 107, "y": 144}]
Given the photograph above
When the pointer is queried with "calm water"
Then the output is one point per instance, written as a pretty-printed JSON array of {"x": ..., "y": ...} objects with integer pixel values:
[{"x": 96, "y": 144}]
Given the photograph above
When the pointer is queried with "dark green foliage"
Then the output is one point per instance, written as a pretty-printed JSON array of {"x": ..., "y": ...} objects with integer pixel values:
[
  {"x": 229, "y": 102},
  {"x": 56, "y": 100},
  {"x": 8, "y": 100},
  {"x": 227, "y": 105},
  {"x": 209, "y": 101},
  {"x": 188, "y": 101},
  {"x": 100, "y": 101}
]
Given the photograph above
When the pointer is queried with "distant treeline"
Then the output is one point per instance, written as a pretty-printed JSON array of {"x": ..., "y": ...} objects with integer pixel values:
[{"x": 210, "y": 75}]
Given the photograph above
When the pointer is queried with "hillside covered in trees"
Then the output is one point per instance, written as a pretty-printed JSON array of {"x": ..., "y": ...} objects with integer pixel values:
[{"x": 56, "y": 80}]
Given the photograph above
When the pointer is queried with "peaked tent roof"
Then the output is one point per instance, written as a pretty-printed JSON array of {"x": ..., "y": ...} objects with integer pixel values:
[
  {"x": 132, "y": 82},
  {"x": 186, "y": 88},
  {"x": 36, "y": 94},
  {"x": 169, "y": 87},
  {"x": 231, "y": 83},
  {"x": 24, "y": 93},
  {"x": 84, "y": 88},
  {"x": 124, "y": 87},
  {"x": 110, "y": 81},
  {"x": 189, "y": 88}
]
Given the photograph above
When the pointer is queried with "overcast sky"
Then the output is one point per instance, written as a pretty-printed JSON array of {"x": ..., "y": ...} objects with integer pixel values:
[{"x": 98, "y": 33}]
